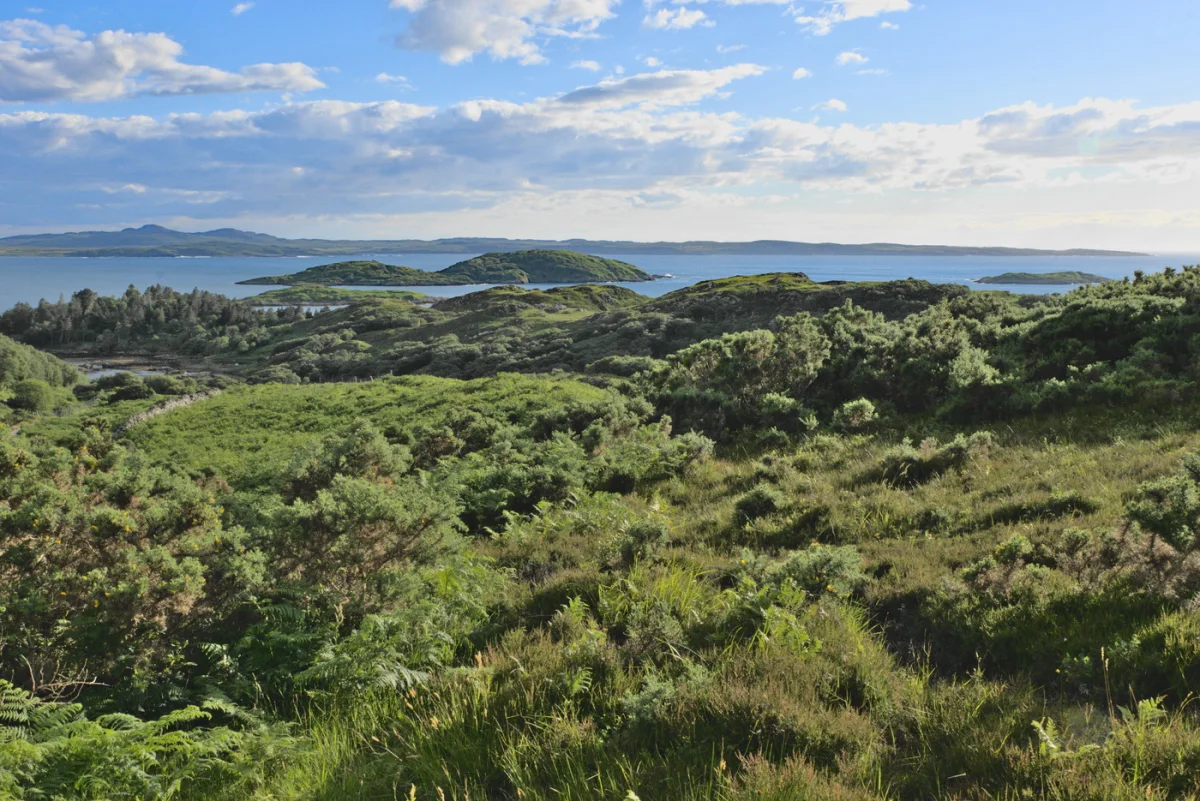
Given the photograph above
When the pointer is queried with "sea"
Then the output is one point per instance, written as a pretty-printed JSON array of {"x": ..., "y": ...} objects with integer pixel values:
[{"x": 29, "y": 280}]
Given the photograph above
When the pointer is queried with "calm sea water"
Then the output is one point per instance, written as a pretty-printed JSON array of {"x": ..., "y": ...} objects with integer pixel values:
[{"x": 31, "y": 279}]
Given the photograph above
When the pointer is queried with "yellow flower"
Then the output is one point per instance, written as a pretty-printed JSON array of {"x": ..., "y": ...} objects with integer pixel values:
[
  {"x": 434, "y": 722},
  {"x": 831, "y": 588}
]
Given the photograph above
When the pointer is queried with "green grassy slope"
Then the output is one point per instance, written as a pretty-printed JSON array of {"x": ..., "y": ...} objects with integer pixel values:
[{"x": 248, "y": 434}]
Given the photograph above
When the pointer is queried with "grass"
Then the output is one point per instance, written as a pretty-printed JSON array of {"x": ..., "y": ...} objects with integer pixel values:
[{"x": 248, "y": 434}]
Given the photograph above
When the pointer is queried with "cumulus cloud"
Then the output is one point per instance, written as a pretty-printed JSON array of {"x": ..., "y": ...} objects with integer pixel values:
[
  {"x": 505, "y": 29},
  {"x": 635, "y": 142},
  {"x": 651, "y": 61},
  {"x": 39, "y": 62},
  {"x": 851, "y": 57},
  {"x": 677, "y": 20},
  {"x": 241, "y": 8},
  {"x": 659, "y": 89},
  {"x": 800, "y": 73},
  {"x": 835, "y": 12},
  {"x": 593, "y": 66}
]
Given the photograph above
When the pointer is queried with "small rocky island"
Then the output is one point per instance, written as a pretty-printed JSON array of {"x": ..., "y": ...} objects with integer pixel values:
[
  {"x": 1065, "y": 278},
  {"x": 521, "y": 267}
]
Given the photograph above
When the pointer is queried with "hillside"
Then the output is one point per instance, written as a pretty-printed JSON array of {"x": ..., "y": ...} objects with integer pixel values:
[
  {"x": 524, "y": 267},
  {"x": 22, "y": 363},
  {"x": 1064, "y": 278},
  {"x": 310, "y": 294},
  {"x": 759, "y": 539},
  {"x": 544, "y": 267},
  {"x": 154, "y": 240}
]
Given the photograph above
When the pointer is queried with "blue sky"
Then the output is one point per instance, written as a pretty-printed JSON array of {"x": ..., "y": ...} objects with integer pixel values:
[{"x": 964, "y": 122}]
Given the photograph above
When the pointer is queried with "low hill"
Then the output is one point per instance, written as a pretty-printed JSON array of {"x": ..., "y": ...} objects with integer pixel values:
[
  {"x": 356, "y": 273},
  {"x": 544, "y": 267},
  {"x": 154, "y": 240},
  {"x": 524, "y": 267},
  {"x": 1064, "y": 278}
]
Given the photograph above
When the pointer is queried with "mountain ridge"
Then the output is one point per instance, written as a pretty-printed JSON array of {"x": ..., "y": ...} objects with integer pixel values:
[{"x": 157, "y": 241}]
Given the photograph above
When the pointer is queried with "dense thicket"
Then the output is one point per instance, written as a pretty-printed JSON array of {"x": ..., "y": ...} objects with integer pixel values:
[{"x": 158, "y": 320}]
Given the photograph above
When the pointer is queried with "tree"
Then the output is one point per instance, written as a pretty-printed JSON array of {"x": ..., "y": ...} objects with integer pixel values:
[{"x": 32, "y": 395}]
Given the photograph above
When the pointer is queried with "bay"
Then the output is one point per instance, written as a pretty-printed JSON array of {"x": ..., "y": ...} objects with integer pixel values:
[{"x": 28, "y": 280}]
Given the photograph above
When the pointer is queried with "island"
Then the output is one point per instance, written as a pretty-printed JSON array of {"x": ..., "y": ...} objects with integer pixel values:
[
  {"x": 1064, "y": 278},
  {"x": 313, "y": 295},
  {"x": 521, "y": 267}
]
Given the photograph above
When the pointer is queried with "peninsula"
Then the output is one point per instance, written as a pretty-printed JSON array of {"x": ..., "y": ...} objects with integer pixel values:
[{"x": 523, "y": 267}]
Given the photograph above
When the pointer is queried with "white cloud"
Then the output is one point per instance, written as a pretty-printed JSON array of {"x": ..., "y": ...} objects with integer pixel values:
[
  {"x": 241, "y": 8},
  {"x": 398, "y": 80},
  {"x": 888, "y": 26},
  {"x": 877, "y": 72},
  {"x": 39, "y": 62},
  {"x": 593, "y": 66},
  {"x": 610, "y": 149},
  {"x": 723, "y": 49},
  {"x": 834, "y": 12},
  {"x": 659, "y": 89},
  {"x": 505, "y": 29},
  {"x": 801, "y": 72},
  {"x": 651, "y": 61},
  {"x": 833, "y": 104},
  {"x": 851, "y": 57},
  {"x": 677, "y": 20}
]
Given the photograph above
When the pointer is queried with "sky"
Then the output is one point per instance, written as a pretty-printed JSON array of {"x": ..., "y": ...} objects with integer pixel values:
[{"x": 1072, "y": 123}]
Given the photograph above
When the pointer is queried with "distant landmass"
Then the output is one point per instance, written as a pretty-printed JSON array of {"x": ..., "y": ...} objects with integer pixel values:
[
  {"x": 1065, "y": 278},
  {"x": 522, "y": 267},
  {"x": 154, "y": 240}
]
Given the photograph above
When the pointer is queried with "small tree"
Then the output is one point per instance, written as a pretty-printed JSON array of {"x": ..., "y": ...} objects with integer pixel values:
[{"x": 32, "y": 395}]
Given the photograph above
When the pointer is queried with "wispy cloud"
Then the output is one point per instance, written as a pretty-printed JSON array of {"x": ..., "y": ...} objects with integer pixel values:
[
  {"x": 835, "y": 12},
  {"x": 241, "y": 8},
  {"x": 833, "y": 104},
  {"x": 723, "y": 49},
  {"x": 592, "y": 66},
  {"x": 396, "y": 80}
]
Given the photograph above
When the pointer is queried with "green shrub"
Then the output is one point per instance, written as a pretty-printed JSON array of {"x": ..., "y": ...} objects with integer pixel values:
[
  {"x": 762, "y": 501},
  {"x": 32, "y": 395},
  {"x": 856, "y": 415}
]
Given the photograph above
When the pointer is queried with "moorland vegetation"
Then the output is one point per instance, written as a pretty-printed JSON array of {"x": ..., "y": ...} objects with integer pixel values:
[{"x": 761, "y": 538}]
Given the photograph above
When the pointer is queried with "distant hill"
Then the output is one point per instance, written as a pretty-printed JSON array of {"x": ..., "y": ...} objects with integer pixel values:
[
  {"x": 154, "y": 240},
  {"x": 1064, "y": 278},
  {"x": 524, "y": 267}
]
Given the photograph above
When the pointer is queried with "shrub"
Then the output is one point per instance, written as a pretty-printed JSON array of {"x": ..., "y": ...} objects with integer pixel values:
[
  {"x": 32, "y": 395},
  {"x": 908, "y": 467},
  {"x": 759, "y": 502},
  {"x": 855, "y": 415}
]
